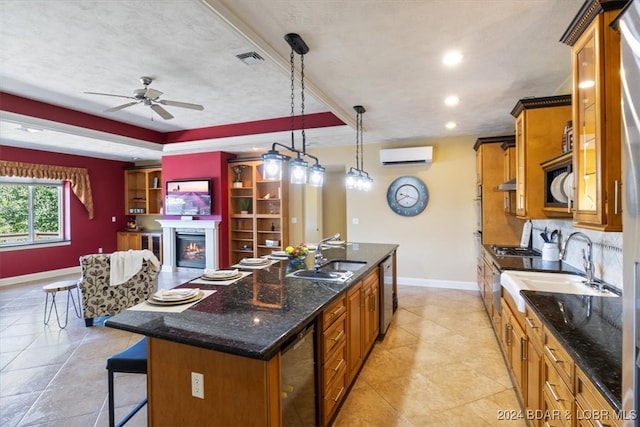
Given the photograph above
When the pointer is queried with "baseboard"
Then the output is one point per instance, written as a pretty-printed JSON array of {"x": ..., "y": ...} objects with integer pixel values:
[
  {"x": 431, "y": 283},
  {"x": 44, "y": 275}
]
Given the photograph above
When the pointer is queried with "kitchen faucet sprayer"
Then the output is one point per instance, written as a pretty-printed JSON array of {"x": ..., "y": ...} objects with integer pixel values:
[
  {"x": 587, "y": 257},
  {"x": 319, "y": 258}
]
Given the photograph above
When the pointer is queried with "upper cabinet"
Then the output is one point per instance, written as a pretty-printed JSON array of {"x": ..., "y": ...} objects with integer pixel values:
[
  {"x": 540, "y": 124},
  {"x": 595, "y": 49},
  {"x": 257, "y": 211},
  {"x": 143, "y": 191}
]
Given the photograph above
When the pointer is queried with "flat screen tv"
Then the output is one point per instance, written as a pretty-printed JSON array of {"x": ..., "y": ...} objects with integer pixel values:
[{"x": 188, "y": 197}]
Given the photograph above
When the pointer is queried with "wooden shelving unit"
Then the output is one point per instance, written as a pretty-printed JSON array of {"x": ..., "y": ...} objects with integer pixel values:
[{"x": 143, "y": 191}]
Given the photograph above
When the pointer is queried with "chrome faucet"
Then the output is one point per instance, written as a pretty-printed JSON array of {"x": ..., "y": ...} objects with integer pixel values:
[
  {"x": 319, "y": 259},
  {"x": 587, "y": 257}
]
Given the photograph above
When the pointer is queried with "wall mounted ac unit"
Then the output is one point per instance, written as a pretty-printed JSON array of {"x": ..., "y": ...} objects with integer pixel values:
[{"x": 395, "y": 156}]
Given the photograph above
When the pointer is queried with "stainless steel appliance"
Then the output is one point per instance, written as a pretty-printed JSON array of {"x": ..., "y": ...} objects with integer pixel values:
[
  {"x": 386, "y": 293},
  {"x": 629, "y": 25},
  {"x": 298, "y": 380}
]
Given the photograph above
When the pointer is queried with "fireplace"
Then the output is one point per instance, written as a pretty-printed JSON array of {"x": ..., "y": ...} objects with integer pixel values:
[
  {"x": 171, "y": 227},
  {"x": 190, "y": 249}
]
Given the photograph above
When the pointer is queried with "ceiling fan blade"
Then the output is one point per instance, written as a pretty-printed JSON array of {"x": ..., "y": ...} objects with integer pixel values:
[
  {"x": 120, "y": 107},
  {"x": 152, "y": 94},
  {"x": 181, "y": 104},
  {"x": 161, "y": 112},
  {"x": 109, "y": 94}
]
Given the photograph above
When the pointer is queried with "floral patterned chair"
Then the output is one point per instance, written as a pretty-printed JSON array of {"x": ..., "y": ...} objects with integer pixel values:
[{"x": 99, "y": 298}]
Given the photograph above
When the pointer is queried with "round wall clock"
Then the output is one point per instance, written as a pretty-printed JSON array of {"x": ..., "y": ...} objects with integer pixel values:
[{"x": 407, "y": 196}]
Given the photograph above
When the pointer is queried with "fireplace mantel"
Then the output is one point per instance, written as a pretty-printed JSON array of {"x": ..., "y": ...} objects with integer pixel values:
[{"x": 169, "y": 227}]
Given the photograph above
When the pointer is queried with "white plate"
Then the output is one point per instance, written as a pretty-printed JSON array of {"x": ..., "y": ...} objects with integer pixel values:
[
  {"x": 254, "y": 261},
  {"x": 556, "y": 188},
  {"x": 174, "y": 295},
  {"x": 220, "y": 274},
  {"x": 336, "y": 242},
  {"x": 279, "y": 253},
  {"x": 568, "y": 186}
]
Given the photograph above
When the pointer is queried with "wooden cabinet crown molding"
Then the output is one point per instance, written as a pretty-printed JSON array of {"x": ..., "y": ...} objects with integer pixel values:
[
  {"x": 504, "y": 139},
  {"x": 542, "y": 102},
  {"x": 587, "y": 13}
]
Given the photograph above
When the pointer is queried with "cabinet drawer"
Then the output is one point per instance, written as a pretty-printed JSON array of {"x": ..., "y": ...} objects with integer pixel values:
[
  {"x": 559, "y": 358},
  {"x": 335, "y": 367},
  {"x": 334, "y": 336},
  {"x": 533, "y": 327},
  {"x": 555, "y": 389},
  {"x": 591, "y": 404},
  {"x": 333, "y": 312},
  {"x": 335, "y": 393}
]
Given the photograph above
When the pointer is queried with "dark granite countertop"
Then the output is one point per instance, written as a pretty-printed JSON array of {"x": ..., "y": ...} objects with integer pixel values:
[
  {"x": 235, "y": 318},
  {"x": 595, "y": 343},
  {"x": 589, "y": 328}
]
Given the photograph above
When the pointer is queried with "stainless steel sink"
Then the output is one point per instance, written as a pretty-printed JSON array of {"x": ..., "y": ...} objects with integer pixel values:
[
  {"x": 343, "y": 265},
  {"x": 332, "y": 276}
]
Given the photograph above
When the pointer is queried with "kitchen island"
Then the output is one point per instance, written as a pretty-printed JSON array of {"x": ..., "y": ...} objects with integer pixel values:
[{"x": 234, "y": 338}]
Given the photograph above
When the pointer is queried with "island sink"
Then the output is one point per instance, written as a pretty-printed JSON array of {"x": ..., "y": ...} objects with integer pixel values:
[
  {"x": 343, "y": 265},
  {"x": 331, "y": 276}
]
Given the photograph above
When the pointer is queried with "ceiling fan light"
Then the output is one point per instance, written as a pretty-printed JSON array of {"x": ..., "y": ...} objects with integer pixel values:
[
  {"x": 316, "y": 175},
  {"x": 298, "y": 171}
]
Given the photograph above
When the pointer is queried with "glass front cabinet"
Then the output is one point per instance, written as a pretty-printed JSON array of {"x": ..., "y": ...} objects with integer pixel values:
[{"x": 596, "y": 116}]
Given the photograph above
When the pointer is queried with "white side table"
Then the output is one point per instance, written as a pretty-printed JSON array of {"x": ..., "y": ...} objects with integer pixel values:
[{"x": 52, "y": 289}]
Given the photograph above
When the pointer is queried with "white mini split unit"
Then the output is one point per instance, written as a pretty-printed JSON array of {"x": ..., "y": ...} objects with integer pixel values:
[{"x": 411, "y": 155}]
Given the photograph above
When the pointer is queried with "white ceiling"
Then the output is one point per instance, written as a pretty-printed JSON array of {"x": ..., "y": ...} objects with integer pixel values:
[{"x": 383, "y": 54}]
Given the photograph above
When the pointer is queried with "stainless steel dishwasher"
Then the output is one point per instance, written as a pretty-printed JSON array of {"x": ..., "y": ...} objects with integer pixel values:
[
  {"x": 387, "y": 275},
  {"x": 298, "y": 379}
]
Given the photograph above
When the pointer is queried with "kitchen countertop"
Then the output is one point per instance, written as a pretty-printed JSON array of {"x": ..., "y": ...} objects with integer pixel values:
[
  {"x": 595, "y": 343},
  {"x": 234, "y": 319}
]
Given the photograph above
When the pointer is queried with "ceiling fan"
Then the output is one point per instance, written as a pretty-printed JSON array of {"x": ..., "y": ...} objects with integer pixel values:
[{"x": 149, "y": 97}]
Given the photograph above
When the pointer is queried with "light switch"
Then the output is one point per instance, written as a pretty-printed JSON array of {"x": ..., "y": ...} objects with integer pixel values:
[{"x": 294, "y": 220}]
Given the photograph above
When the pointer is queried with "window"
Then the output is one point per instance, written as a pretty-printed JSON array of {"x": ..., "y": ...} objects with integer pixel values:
[{"x": 30, "y": 211}]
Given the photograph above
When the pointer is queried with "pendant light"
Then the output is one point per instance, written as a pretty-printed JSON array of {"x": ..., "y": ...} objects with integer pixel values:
[
  {"x": 299, "y": 170},
  {"x": 357, "y": 178}
]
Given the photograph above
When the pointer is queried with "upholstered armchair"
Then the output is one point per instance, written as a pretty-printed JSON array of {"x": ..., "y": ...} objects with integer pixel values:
[{"x": 100, "y": 298}]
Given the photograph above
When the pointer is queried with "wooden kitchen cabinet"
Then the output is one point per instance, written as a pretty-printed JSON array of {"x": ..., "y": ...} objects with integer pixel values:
[
  {"x": 258, "y": 221},
  {"x": 533, "y": 369},
  {"x": 538, "y": 133},
  {"x": 143, "y": 191},
  {"x": 355, "y": 308},
  {"x": 371, "y": 312},
  {"x": 496, "y": 226},
  {"x": 514, "y": 342},
  {"x": 591, "y": 409},
  {"x": 595, "y": 50},
  {"x": 136, "y": 240},
  {"x": 332, "y": 351},
  {"x": 509, "y": 174}
]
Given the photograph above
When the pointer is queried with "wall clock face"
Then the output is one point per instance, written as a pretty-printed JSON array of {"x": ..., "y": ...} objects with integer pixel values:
[{"x": 407, "y": 196}]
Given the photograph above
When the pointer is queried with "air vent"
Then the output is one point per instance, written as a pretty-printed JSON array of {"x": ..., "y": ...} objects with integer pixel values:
[{"x": 250, "y": 58}]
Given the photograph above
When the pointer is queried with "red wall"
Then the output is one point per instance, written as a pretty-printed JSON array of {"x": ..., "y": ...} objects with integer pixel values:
[
  {"x": 205, "y": 165},
  {"x": 107, "y": 184}
]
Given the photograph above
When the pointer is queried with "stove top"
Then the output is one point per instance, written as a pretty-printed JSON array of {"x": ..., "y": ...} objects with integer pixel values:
[{"x": 515, "y": 251}]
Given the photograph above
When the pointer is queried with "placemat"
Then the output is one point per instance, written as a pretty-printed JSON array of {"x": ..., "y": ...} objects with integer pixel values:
[
  {"x": 199, "y": 281},
  {"x": 145, "y": 306}
]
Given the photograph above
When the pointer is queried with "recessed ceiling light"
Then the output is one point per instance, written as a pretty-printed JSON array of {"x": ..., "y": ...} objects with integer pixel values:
[
  {"x": 452, "y": 58},
  {"x": 451, "y": 100},
  {"x": 450, "y": 125}
]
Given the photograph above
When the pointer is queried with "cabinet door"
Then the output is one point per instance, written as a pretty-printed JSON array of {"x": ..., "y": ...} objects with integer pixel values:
[
  {"x": 355, "y": 304},
  {"x": 521, "y": 161},
  {"x": 518, "y": 342},
  {"x": 597, "y": 127},
  {"x": 533, "y": 378},
  {"x": 127, "y": 240},
  {"x": 509, "y": 174}
]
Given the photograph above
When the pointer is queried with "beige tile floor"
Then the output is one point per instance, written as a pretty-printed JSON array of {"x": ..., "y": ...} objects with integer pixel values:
[{"x": 439, "y": 365}]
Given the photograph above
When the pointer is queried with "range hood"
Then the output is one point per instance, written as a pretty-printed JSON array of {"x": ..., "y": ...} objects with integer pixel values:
[{"x": 508, "y": 186}]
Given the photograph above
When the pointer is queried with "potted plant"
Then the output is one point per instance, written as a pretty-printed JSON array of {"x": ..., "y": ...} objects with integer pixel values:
[{"x": 244, "y": 206}]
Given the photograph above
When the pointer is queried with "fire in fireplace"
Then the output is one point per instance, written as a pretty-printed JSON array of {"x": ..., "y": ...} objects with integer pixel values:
[{"x": 190, "y": 250}]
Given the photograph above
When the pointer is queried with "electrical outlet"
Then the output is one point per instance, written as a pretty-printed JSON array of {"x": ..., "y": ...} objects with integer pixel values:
[
  {"x": 294, "y": 220},
  {"x": 355, "y": 221},
  {"x": 197, "y": 385},
  {"x": 113, "y": 219},
  {"x": 99, "y": 250}
]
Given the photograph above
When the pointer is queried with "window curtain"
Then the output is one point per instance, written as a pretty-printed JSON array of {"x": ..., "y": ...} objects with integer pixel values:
[{"x": 78, "y": 177}]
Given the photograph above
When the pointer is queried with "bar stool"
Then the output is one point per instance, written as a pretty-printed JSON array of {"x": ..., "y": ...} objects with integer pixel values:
[
  {"x": 52, "y": 289},
  {"x": 133, "y": 360}
]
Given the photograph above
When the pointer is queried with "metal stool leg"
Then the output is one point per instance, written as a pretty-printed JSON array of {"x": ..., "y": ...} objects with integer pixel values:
[
  {"x": 76, "y": 308},
  {"x": 52, "y": 307}
]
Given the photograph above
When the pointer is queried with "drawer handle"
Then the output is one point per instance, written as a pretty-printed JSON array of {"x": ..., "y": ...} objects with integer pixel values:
[
  {"x": 615, "y": 197},
  {"x": 335, "y": 399},
  {"x": 523, "y": 353},
  {"x": 337, "y": 368},
  {"x": 337, "y": 310},
  {"x": 600, "y": 424},
  {"x": 553, "y": 393},
  {"x": 340, "y": 334},
  {"x": 530, "y": 323},
  {"x": 553, "y": 356},
  {"x": 546, "y": 424}
]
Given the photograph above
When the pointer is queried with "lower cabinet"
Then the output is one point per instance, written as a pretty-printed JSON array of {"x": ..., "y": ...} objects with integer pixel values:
[
  {"x": 350, "y": 327},
  {"x": 554, "y": 389},
  {"x": 136, "y": 240}
]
